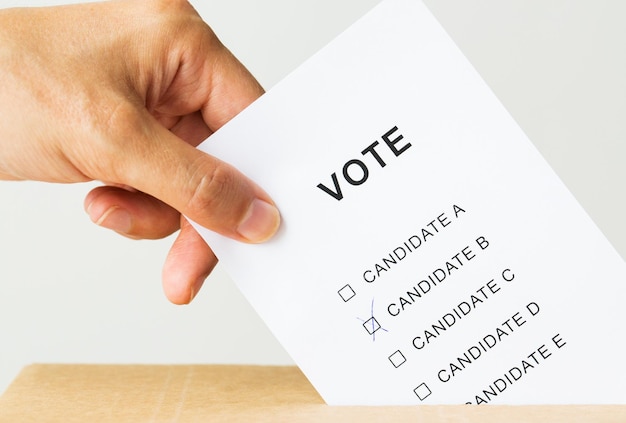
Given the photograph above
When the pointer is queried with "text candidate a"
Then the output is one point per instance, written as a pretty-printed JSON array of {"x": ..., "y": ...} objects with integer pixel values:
[{"x": 428, "y": 254}]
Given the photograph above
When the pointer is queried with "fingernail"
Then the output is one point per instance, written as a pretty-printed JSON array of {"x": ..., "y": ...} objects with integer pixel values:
[
  {"x": 260, "y": 222},
  {"x": 116, "y": 219}
]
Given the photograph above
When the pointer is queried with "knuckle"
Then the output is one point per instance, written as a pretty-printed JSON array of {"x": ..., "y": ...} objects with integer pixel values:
[
  {"x": 170, "y": 11},
  {"x": 211, "y": 189}
]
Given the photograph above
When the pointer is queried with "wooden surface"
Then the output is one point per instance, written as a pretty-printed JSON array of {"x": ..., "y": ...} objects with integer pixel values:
[{"x": 100, "y": 393}]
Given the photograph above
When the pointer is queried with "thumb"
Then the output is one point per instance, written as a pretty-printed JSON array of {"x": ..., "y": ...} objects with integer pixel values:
[{"x": 207, "y": 190}]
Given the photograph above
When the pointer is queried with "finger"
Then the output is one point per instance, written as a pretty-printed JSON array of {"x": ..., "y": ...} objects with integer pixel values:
[
  {"x": 191, "y": 128},
  {"x": 8, "y": 177},
  {"x": 188, "y": 264},
  {"x": 143, "y": 154},
  {"x": 131, "y": 213},
  {"x": 233, "y": 89},
  {"x": 209, "y": 79}
]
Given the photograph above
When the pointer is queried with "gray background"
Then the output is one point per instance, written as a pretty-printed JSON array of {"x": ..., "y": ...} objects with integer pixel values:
[{"x": 71, "y": 292}]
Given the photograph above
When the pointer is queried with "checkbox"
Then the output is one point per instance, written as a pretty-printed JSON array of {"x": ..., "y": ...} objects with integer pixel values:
[
  {"x": 346, "y": 293},
  {"x": 397, "y": 359},
  {"x": 371, "y": 325},
  {"x": 422, "y": 391}
]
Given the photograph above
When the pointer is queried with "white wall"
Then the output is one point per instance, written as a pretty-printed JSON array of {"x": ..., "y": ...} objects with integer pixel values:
[{"x": 72, "y": 292}]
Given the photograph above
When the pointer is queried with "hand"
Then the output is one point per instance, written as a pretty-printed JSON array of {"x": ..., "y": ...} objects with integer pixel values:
[{"x": 122, "y": 92}]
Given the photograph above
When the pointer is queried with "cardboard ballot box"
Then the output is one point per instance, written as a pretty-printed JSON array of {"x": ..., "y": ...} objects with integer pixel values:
[{"x": 199, "y": 393}]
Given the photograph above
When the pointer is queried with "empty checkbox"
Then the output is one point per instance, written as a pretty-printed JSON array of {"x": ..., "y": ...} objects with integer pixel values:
[
  {"x": 422, "y": 391},
  {"x": 397, "y": 359},
  {"x": 346, "y": 293}
]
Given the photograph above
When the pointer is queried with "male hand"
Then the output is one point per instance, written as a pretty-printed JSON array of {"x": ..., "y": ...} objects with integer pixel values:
[{"x": 122, "y": 92}]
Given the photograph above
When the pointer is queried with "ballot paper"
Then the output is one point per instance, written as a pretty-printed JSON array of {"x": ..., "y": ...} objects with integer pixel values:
[{"x": 428, "y": 254}]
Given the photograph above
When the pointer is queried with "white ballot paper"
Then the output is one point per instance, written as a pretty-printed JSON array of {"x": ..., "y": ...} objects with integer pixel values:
[{"x": 428, "y": 254}]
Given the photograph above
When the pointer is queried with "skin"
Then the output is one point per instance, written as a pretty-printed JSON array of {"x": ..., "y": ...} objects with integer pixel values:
[{"x": 122, "y": 92}]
